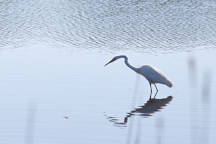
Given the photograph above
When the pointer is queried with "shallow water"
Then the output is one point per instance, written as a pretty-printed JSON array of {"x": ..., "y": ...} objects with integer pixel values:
[{"x": 56, "y": 90}]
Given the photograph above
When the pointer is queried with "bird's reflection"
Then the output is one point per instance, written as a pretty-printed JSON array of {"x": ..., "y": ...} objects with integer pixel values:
[{"x": 146, "y": 110}]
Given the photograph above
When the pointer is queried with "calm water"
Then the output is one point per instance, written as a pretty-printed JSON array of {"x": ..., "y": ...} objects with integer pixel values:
[{"x": 56, "y": 90}]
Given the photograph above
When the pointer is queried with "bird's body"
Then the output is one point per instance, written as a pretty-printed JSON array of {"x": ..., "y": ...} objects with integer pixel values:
[{"x": 151, "y": 74}]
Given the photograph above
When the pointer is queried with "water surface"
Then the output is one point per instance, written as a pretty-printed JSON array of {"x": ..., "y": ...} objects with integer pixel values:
[{"x": 56, "y": 90}]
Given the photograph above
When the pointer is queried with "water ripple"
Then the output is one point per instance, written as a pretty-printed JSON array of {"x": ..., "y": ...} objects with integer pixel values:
[{"x": 137, "y": 25}]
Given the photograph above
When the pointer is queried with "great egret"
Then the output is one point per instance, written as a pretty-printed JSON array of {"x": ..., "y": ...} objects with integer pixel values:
[{"x": 152, "y": 75}]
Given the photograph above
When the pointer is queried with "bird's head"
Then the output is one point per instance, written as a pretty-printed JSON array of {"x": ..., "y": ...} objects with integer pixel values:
[{"x": 115, "y": 58}]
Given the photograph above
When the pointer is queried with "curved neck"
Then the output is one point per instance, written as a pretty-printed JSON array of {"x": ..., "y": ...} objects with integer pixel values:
[{"x": 130, "y": 66}]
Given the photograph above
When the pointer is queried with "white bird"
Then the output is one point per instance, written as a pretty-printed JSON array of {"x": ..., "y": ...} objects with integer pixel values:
[{"x": 151, "y": 74}]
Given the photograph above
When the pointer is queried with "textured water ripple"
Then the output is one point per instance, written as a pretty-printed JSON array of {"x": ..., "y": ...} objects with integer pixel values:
[{"x": 137, "y": 25}]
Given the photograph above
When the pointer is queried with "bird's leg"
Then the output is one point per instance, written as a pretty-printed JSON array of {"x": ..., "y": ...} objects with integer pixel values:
[
  {"x": 156, "y": 91},
  {"x": 151, "y": 90}
]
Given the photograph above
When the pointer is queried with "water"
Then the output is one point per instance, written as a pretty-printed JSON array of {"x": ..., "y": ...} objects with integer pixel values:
[{"x": 55, "y": 88}]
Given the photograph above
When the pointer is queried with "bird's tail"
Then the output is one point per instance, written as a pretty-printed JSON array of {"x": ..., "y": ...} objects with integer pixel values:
[{"x": 169, "y": 83}]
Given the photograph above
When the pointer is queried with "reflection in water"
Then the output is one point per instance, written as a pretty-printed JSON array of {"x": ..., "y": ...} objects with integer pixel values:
[
  {"x": 199, "y": 132},
  {"x": 206, "y": 107},
  {"x": 150, "y": 107},
  {"x": 206, "y": 87},
  {"x": 30, "y": 127},
  {"x": 159, "y": 130},
  {"x": 192, "y": 67}
]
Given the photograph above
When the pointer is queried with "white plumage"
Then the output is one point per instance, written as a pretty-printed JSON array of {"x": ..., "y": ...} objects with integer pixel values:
[{"x": 151, "y": 74}]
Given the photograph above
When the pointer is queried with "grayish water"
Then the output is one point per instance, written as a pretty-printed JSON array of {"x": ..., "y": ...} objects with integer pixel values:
[
  {"x": 55, "y": 89},
  {"x": 138, "y": 25}
]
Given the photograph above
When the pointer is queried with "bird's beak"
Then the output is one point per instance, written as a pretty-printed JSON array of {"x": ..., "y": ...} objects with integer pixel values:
[{"x": 109, "y": 62}]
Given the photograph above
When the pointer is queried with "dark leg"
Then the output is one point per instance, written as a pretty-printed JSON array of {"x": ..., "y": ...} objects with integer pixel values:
[
  {"x": 156, "y": 89},
  {"x": 151, "y": 90}
]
